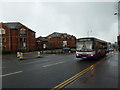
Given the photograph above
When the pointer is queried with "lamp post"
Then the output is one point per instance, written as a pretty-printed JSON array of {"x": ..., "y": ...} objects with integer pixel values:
[
  {"x": 118, "y": 14},
  {"x": 118, "y": 9}
]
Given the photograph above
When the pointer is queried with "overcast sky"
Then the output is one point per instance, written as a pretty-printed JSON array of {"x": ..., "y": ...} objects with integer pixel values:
[{"x": 75, "y": 18}]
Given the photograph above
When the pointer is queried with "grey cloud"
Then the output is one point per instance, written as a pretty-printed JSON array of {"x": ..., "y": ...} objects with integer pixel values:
[{"x": 73, "y": 18}]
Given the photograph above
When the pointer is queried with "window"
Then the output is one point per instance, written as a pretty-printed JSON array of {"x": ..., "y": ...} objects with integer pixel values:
[
  {"x": 0, "y": 40},
  {"x": 72, "y": 38},
  {"x": 2, "y": 31},
  {"x": 3, "y": 47},
  {"x": 68, "y": 38},
  {"x": 49, "y": 37},
  {"x": 23, "y": 46},
  {"x": 85, "y": 46},
  {"x": 3, "y": 39},
  {"x": 33, "y": 34},
  {"x": 20, "y": 39},
  {"x": 65, "y": 43},
  {"x": 24, "y": 40},
  {"x": 22, "y": 32},
  {"x": 0, "y": 46}
]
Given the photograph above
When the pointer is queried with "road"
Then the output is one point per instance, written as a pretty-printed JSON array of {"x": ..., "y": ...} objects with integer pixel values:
[{"x": 51, "y": 70}]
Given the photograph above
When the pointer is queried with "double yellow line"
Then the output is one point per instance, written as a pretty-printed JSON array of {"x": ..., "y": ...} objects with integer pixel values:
[
  {"x": 68, "y": 81},
  {"x": 63, "y": 84}
]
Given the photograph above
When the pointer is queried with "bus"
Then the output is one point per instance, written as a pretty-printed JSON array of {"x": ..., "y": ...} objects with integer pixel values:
[{"x": 90, "y": 47}]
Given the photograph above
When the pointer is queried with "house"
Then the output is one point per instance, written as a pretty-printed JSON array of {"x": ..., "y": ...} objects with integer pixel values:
[
  {"x": 42, "y": 43},
  {"x": 61, "y": 40},
  {"x": 15, "y": 36}
]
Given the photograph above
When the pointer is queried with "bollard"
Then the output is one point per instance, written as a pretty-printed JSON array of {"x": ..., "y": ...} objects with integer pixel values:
[
  {"x": 38, "y": 54},
  {"x": 21, "y": 56},
  {"x": 18, "y": 54}
]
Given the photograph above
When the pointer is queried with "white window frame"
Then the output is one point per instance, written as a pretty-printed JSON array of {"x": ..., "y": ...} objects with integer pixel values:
[
  {"x": 1, "y": 46},
  {"x": 4, "y": 46},
  {"x": 0, "y": 40},
  {"x": 22, "y": 29},
  {"x": 2, "y": 31}
]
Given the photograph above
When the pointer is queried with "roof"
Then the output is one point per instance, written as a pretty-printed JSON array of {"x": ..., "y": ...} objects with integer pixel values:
[
  {"x": 15, "y": 25},
  {"x": 93, "y": 38},
  {"x": 43, "y": 38},
  {"x": 57, "y": 34}
]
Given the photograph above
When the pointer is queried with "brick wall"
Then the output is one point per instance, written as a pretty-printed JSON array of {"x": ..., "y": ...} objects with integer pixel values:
[
  {"x": 55, "y": 42},
  {"x": 13, "y": 37},
  {"x": 7, "y": 43}
]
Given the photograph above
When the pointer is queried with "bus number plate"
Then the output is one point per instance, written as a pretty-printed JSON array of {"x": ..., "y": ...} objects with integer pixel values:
[{"x": 84, "y": 57}]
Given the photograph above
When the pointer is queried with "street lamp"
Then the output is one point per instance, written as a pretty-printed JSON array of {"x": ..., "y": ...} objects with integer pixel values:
[
  {"x": 115, "y": 13},
  {"x": 118, "y": 7},
  {"x": 118, "y": 14}
]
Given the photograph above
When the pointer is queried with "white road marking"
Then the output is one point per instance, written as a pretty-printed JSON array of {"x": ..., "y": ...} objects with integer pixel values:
[
  {"x": 10, "y": 74},
  {"x": 53, "y": 64},
  {"x": 35, "y": 62}
]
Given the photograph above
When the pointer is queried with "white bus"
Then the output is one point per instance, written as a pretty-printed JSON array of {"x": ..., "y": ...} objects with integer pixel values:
[{"x": 90, "y": 48}]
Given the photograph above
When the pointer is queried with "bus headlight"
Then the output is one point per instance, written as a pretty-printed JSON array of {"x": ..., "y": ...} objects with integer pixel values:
[
  {"x": 90, "y": 55},
  {"x": 77, "y": 54}
]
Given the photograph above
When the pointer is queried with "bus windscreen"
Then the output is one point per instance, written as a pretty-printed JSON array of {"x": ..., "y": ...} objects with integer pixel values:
[{"x": 85, "y": 46}]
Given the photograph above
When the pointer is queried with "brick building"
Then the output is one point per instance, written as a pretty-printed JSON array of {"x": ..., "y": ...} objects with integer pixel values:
[
  {"x": 60, "y": 40},
  {"x": 42, "y": 43},
  {"x": 15, "y": 36}
]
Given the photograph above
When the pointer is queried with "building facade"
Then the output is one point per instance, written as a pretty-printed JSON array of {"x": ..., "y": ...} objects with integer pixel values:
[
  {"x": 15, "y": 36},
  {"x": 56, "y": 41},
  {"x": 61, "y": 40},
  {"x": 42, "y": 43}
]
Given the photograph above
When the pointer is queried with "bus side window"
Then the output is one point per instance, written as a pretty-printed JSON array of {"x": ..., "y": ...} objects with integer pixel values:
[
  {"x": 96, "y": 47},
  {"x": 100, "y": 46}
]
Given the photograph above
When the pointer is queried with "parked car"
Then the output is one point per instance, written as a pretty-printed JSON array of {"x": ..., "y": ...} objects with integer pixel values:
[
  {"x": 110, "y": 50},
  {"x": 66, "y": 49}
]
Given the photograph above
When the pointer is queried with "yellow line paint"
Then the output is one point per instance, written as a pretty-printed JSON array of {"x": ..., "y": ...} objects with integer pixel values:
[{"x": 63, "y": 84}]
